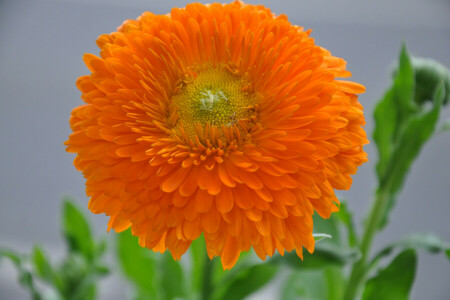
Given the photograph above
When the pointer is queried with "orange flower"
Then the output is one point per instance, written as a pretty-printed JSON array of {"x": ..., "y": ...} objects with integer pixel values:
[{"x": 220, "y": 119}]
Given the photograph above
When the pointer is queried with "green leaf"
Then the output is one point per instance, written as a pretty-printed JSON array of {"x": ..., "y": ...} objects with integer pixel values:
[
  {"x": 101, "y": 270},
  {"x": 25, "y": 277},
  {"x": 85, "y": 290},
  {"x": 289, "y": 289},
  {"x": 72, "y": 272},
  {"x": 221, "y": 277},
  {"x": 137, "y": 263},
  {"x": 90, "y": 293},
  {"x": 417, "y": 131},
  {"x": 447, "y": 252},
  {"x": 214, "y": 268},
  {"x": 76, "y": 231},
  {"x": 42, "y": 266},
  {"x": 249, "y": 280},
  {"x": 100, "y": 248},
  {"x": 392, "y": 111},
  {"x": 395, "y": 281},
  {"x": 82, "y": 285},
  {"x": 335, "y": 283},
  {"x": 419, "y": 241},
  {"x": 327, "y": 283},
  {"x": 345, "y": 216},
  {"x": 14, "y": 257},
  {"x": 324, "y": 255},
  {"x": 198, "y": 253},
  {"x": 402, "y": 127},
  {"x": 305, "y": 285},
  {"x": 172, "y": 279}
]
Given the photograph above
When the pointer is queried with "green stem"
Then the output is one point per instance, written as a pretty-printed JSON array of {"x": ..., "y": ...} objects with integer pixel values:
[
  {"x": 207, "y": 287},
  {"x": 359, "y": 269}
]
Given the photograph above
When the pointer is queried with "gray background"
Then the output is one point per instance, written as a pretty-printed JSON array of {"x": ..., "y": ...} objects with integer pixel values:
[{"x": 41, "y": 45}]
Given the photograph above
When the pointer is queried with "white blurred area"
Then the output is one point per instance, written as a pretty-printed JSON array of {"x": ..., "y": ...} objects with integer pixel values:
[{"x": 41, "y": 45}]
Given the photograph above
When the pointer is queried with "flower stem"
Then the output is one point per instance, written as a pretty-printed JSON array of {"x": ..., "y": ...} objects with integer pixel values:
[
  {"x": 359, "y": 269},
  {"x": 207, "y": 287}
]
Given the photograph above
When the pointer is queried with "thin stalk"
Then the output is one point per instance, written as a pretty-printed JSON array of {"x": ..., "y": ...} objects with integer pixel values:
[
  {"x": 207, "y": 287},
  {"x": 359, "y": 269}
]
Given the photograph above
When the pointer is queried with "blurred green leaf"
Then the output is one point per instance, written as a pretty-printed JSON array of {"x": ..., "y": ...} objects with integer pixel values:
[
  {"x": 101, "y": 270},
  {"x": 327, "y": 283},
  {"x": 402, "y": 128},
  {"x": 75, "y": 278},
  {"x": 137, "y": 263},
  {"x": 14, "y": 257},
  {"x": 90, "y": 293},
  {"x": 249, "y": 280},
  {"x": 198, "y": 253},
  {"x": 335, "y": 283},
  {"x": 43, "y": 268},
  {"x": 85, "y": 289},
  {"x": 395, "y": 281},
  {"x": 100, "y": 248},
  {"x": 346, "y": 217},
  {"x": 222, "y": 277},
  {"x": 289, "y": 289},
  {"x": 200, "y": 270},
  {"x": 448, "y": 253},
  {"x": 25, "y": 277},
  {"x": 172, "y": 278},
  {"x": 325, "y": 255},
  {"x": 76, "y": 231},
  {"x": 81, "y": 288},
  {"x": 73, "y": 273},
  {"x": 305, "y": 285},
  {"x": 419, "y": 241}
]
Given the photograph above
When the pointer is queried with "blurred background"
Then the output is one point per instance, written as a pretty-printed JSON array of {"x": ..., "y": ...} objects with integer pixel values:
[{"x": 41, "y": 46}]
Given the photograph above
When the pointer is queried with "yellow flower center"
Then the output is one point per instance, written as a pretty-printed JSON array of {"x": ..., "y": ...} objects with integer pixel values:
[{"x": 213, "y": 96}]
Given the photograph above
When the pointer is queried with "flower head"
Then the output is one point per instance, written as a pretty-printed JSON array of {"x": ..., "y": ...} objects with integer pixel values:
[{"x": 220, "y": 119}]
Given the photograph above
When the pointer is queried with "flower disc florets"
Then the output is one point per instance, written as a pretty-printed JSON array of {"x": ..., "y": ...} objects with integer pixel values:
[
  {"x": 213, "y": 96},
  {"x": 223, "y": 120}
]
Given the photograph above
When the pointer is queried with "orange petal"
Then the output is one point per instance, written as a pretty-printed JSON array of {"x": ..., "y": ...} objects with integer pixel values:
[
  {"x": 230, "y": 253},
  {"x": 225, "y": 176},
  {"x": 225, "y": 200},
  {"x": 174, "y": 180},
  {"x": 203, "y": 201},
  {"x": 211, "y": 221},
  {"x": 192, "y": 229}
]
